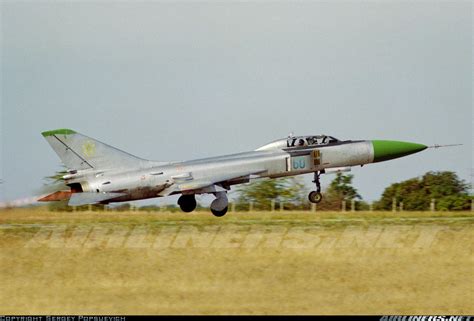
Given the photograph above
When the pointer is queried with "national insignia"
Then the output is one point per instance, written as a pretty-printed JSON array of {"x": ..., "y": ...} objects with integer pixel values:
[{"x": 88, "y": 149}]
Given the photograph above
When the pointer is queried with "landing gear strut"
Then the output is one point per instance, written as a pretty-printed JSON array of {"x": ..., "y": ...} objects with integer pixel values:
[
  {"x": 220, "y": 205},
  {"x": 187, "y": 203},
  {"x": 316, "y": 196}
]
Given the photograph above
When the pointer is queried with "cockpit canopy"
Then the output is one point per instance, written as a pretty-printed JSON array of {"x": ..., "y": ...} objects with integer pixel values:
[
  {"x": 300, "y": 141},
  {"x": 304, "y": 141}
]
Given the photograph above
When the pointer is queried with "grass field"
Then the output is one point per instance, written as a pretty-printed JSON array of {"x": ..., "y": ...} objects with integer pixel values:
[{"x": 258, "y": 263}]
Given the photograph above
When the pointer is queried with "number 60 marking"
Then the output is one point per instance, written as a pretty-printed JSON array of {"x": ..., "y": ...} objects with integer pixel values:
[{"x": 299, "y": 164}]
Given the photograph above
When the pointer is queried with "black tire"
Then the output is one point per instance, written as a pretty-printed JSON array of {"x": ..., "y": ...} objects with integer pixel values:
[
  {"x": 219, "y": 213},
  {"x": 315, "y": 197},
  {"x": 187, "y": 203}
]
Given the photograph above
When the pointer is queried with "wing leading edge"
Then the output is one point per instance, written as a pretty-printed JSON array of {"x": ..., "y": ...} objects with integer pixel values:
[{"x": 208, "y": 185}]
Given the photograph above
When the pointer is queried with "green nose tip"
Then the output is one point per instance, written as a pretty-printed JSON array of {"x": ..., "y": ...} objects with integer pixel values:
[{"x": 390, "y": 149}]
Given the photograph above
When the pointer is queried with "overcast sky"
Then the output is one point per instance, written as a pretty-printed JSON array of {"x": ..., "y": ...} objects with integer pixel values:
[{"x": 177, "y": 81}]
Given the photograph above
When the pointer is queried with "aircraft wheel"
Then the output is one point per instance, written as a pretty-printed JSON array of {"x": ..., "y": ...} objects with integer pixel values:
[
  {"x": 187, "y": 203},
  {"x": 219, "y": 213},
  {"x": 315, "y": 197}
]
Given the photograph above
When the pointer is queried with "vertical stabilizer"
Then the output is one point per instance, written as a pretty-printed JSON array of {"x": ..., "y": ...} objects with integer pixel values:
[{"x": 79, "y": 152}]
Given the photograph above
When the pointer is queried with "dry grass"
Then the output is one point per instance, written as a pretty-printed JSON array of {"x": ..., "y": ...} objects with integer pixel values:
[{"x": 261, "y": 263}]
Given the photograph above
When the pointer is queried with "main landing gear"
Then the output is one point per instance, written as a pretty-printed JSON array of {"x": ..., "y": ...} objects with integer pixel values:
[
  {"x": 316, "y": 196},
  {"x": 219, "y": 206},
  {"x": 187, "y": 203}
]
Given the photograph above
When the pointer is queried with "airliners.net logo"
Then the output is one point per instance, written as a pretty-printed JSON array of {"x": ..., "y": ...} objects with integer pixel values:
[{"x": 426, "y": 318}]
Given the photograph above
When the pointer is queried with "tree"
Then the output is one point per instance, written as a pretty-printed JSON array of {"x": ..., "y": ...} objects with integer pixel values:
[
  {"x": 261, "y": 193},
  {"x": 340, "y": 189},
  {"x": 341, "y": 186},
  {"x": 454, "y": 203},
  {"x": 52, "y": 184},
  {"x": 446, "y": 188},
  {"x": 55, "y": 183}
]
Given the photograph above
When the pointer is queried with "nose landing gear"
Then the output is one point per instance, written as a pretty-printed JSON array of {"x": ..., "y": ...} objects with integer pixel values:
[{"x": 316, "y": 196}]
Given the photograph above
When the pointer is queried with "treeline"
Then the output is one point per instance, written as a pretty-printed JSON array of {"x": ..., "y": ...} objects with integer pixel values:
[{"x": 443, "y": 190}]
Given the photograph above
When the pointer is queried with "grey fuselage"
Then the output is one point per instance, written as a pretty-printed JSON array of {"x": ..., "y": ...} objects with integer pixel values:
[{"x": 274, "y": 160}]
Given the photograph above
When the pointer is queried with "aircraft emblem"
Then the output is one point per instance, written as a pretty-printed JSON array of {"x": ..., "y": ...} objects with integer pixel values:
[{"x": 88, "y": 148}]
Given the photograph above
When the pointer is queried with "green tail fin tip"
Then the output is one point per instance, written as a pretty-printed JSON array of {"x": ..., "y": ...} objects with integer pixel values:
[{"x": 63, "y": 131}]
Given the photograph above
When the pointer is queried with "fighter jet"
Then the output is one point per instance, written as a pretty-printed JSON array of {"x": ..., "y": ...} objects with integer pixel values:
[{"x": 100, "y": 174}]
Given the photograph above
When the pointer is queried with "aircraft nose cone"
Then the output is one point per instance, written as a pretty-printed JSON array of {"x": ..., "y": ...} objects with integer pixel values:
[{"x": 390, "y": 149}]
